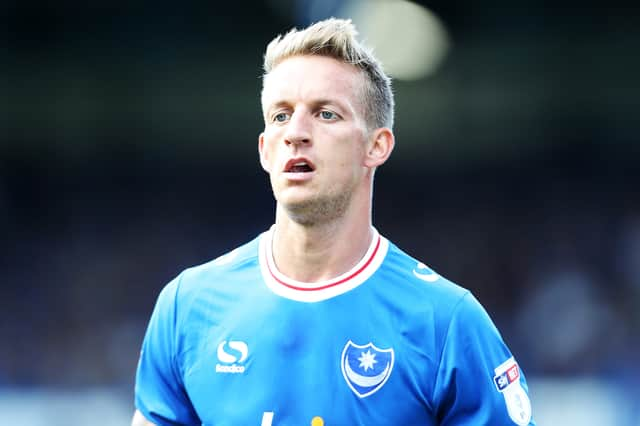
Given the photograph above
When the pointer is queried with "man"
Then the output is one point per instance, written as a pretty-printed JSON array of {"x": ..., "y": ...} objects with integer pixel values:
[{"x": 321, "y": 320}]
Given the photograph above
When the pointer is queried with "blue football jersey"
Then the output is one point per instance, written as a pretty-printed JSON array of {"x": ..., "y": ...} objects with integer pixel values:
[{"x": 390, "y": 342}]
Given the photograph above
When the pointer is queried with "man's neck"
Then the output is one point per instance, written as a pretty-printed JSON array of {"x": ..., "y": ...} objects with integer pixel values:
[{"x": 319, "y": 252}]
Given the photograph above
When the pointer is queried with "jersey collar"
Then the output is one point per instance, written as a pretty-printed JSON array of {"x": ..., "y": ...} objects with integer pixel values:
[{"x": 323, "y": 290}]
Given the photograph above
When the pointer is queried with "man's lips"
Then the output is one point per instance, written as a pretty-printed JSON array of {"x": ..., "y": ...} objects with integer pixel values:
[{"x": 299, "y": 165}]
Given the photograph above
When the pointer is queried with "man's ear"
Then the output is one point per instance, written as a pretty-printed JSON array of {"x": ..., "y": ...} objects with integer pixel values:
[
  {"x": 263, "y": 153},
  {"x": 379, "y": 147}
]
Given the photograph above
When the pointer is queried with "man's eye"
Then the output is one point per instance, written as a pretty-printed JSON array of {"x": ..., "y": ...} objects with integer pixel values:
[
  {"x": 327, "y": 115},
  {"x": 280, "y": 117}
]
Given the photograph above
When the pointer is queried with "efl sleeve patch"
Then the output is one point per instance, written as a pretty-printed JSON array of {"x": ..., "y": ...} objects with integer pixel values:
[
  {"x": 507, "y": 381},
  {"x": 508, "y": 376}
]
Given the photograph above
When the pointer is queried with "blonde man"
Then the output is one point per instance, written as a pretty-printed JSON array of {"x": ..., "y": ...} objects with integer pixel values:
[{"x": 320, "y": 319}]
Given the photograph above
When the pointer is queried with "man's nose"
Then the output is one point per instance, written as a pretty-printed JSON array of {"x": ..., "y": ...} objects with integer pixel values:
[{"x": 298, "y": 129}]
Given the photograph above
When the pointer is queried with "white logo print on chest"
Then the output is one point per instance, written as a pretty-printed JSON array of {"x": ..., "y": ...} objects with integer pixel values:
[{"x": 232, "y": 355}]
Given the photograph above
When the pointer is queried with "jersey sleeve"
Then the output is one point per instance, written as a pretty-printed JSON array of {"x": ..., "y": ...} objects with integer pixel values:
[
  {"x": 159, "y": 391},
  {"x": 478, "y": 380}
]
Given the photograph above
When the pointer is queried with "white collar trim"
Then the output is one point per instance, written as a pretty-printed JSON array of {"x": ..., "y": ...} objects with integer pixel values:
[{"x": 323, "y": 290}]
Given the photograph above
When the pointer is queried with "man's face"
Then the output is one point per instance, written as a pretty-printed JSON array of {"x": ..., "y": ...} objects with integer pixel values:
[{"x": 314, "y": 142}]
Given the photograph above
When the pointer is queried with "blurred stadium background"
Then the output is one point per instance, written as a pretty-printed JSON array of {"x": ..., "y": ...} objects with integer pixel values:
[{"x": 128, "y": 135}]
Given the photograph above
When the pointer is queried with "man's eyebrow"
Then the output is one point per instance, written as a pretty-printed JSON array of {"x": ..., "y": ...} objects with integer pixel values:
[
  {"x": 344, "y": 107},
  {"x": 278, "y": 104}
]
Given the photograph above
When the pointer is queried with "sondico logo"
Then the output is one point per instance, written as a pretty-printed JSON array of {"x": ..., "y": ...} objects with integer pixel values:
[{"x": 239, "y": 352}]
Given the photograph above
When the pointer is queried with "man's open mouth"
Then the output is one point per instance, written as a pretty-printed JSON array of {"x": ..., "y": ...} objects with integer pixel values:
[{"x": 299, "y": 165}]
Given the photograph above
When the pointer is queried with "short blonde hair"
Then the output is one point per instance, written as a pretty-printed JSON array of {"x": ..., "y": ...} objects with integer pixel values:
[{"x": 336, "y": 38}]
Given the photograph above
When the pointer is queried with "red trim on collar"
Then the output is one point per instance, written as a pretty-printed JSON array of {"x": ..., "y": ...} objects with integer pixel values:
[{"x": 332, "y": 284}]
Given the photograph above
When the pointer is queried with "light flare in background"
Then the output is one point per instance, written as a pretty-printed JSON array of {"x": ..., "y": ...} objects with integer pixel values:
[{"x": 409, "y": 39}]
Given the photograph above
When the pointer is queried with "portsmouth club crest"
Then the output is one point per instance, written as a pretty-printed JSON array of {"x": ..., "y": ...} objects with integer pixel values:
[{"x": 366, "y": 368}]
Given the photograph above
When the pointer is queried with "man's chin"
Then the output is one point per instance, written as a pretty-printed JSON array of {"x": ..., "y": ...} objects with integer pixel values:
[
  {"x": 300, "y": 206},
  {"x": 297, "y": 199},
  {"x": 312, "y": 211}
]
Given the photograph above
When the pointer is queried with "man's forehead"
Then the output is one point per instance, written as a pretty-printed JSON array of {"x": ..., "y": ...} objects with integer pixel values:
[{"x": 312, "y": 76}]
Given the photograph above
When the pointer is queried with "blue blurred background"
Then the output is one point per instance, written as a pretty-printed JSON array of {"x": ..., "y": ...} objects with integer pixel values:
[{"x": 128, "y": 152}]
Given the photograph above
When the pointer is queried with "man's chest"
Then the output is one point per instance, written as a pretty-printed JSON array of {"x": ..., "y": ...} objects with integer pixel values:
[{"x": 294, "y": 364}]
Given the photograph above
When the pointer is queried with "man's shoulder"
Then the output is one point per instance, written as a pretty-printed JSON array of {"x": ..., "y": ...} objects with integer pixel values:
[
  {"x": 422, "y": 293},
  {"x": 240, "y": 257},
  {"x": 420, "y": 280},
  {"x": 222, "y": 269}
]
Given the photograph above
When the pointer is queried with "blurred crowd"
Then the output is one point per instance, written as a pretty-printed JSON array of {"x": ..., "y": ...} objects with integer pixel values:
[
  {"x": 128, "y": 135},
  {"x": 554, "y": 258}
]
